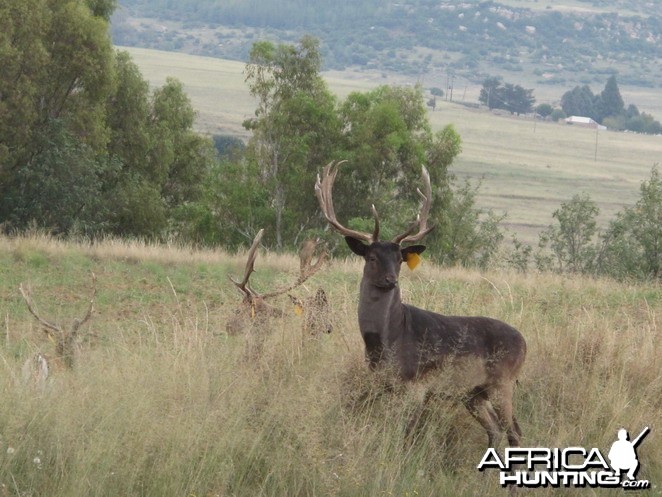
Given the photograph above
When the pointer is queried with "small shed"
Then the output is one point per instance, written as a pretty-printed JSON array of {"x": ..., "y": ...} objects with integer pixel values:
[{"x": 584, "y": 122}]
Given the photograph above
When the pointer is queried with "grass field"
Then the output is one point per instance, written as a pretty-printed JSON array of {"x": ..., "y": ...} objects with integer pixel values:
[
  {"x": 527, "y": 169},
  {"x": 162, "y": 402}
]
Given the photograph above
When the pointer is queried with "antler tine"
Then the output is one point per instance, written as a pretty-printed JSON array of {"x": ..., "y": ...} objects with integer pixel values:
[
  {"x": 28, "y": 301},
  {"x": 250, "y": 263},
  {"x": 422, "y": 218},
  {"x": 323, "y": 191},
  {"x": 80, "y": 322},
  {"x": 305, "y": 273}
]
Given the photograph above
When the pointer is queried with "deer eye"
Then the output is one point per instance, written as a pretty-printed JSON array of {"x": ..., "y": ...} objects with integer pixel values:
[{"x": 372, "y": 258}]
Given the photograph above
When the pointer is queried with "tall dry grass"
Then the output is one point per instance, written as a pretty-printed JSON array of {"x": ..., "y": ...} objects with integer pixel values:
[{"x": 162, "y": 402}]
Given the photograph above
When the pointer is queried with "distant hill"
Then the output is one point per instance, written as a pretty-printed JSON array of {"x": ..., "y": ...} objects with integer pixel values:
[{"x": 575, "y": 42}]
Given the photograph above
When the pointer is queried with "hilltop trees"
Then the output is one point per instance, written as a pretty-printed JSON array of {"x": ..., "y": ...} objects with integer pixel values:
[
  {"x": 608, "y": 108},
  {"x": 513, "y": 98}
]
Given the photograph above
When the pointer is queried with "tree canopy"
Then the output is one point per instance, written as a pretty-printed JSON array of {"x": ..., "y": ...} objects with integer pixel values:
[
  {"x": 507, "y": 96},
  {"x": 84, "y": 147}
]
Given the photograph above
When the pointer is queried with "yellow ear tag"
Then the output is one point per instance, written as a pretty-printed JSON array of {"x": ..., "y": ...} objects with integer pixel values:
[
  {"x": 413, "y": 260},
  {"x": 252, "y": 310},
  {"x": 298, "y": 310}
]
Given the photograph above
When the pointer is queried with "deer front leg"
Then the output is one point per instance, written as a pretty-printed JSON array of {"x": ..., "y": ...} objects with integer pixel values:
[{"x": 374, "y": 349}]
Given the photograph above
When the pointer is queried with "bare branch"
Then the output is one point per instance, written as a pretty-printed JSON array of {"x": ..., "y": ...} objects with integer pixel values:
[{"x": 422, "y": 219}]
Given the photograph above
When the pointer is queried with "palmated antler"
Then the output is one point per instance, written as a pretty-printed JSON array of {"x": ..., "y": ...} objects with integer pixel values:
[
  {"x": 250, "y": 263},
  {"x": 306, "y": 270},
  {"x": 323, "y": 191},
  {"x": 422, "y": 219}
]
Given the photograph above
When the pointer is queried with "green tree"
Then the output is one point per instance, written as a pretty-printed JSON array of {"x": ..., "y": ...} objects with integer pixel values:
[
  {"x": 580, "y": 101},
  {"x": 572, "y": 239},
  {"x": 517, "y": 100},
  {"x": 466, "y": 235},
  {"x": 295, "y": 129},
  {"x": 544, "y": 110},
  {"x": 56, "y": 59},
  {"x": 491, "y": 93},
  {"x": 633, "y": 241},
  {"x": 61, "y": 188},
  {"x": 610, "y": 103}
]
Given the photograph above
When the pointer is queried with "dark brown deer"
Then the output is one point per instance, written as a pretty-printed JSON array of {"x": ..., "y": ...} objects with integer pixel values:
[
  {"x": 38, "y": 368},
  {"x": 476, "y": 359},
  {"x": 254, "y": 308}
]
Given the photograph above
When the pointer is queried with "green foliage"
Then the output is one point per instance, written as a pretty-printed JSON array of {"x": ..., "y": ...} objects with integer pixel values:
[
  {"x": 465, "y": 234},
  {"x": 56, "y": 59},
  {"x": 507, "y": 96},
  {"x": 557, "y": 114},
  {"x": 544, "y": 110},
  {"x": 234, "y": 207},
  {"x": 295, "y": 129},
  {"x": 608, "y": 108},
  {"x": 633, "y": 241},
  {"x": 83, "y": 146},
  {"x": 580, "y": 101},
  {"x": 571, "y": 241},
  {"x": 610, "y": 102},
  {"x": 60, "y": 188}
]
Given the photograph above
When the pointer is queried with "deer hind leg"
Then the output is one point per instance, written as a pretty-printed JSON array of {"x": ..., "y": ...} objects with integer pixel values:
[
  {"x": 419, "y": 417},
  {"x": 502, "y": 400},
  {"x": 479, "y": 406}
]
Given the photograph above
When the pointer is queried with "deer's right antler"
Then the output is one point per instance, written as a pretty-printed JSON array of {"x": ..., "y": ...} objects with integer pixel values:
[
  {"x": 52, "y": 327},
  {"x": 250, "y": 263},
  {"x": 49, "y": 327},
  {"x": 422, "y": 219},
  {"x": 323, "y": 191}
]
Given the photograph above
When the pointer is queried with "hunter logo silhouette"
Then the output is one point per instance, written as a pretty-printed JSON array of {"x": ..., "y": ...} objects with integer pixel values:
[{"x": 623, "y": 456}]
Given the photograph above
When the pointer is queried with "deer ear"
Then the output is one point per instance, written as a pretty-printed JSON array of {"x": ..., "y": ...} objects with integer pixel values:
[
  {"x": 356, "y": 246},
  {"x": 410, "y": 255}
]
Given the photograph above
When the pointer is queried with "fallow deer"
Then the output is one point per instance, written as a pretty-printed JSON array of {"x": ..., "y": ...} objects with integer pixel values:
[
  {"x": 477, "y": 358},
  {"x": 38, "y": 368},
  {"x": 254, "y": 308}
]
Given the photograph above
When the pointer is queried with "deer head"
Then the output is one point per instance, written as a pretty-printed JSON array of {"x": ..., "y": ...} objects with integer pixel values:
[
  {"x": 64, "y": 338},
  {"x": 254, "y": 305}
]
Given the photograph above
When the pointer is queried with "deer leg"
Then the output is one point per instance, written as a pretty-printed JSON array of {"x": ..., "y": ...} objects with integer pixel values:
[
  {"x": 418, "y": 418},
  {"x": 503, "y": 405},
  {"x": 480, "y": 407}
]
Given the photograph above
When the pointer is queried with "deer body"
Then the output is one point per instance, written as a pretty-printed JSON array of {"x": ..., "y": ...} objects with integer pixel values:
[
  {"x": 476, "y": 359},
  {"x": 417, "y": 339}
]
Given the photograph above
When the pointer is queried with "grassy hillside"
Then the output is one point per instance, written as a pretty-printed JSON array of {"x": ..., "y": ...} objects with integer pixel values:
[
  {"x": 162, "y": 402},
  {"x": 528, "y": 168},
  {"x": 554, "y": 43}
]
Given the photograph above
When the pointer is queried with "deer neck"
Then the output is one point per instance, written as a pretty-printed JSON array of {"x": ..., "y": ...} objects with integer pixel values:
[{"x": 380, "y": 311}]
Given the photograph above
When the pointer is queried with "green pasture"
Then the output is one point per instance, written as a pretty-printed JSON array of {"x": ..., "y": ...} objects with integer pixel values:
[
  {"x": 162, "y": 402},
  {"x": 527, "y": 168}
]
